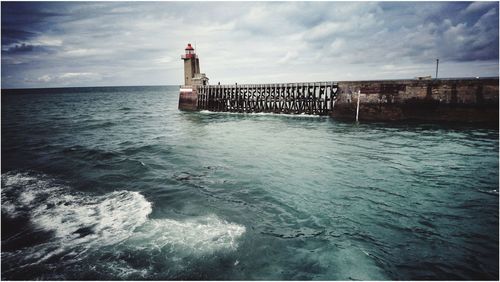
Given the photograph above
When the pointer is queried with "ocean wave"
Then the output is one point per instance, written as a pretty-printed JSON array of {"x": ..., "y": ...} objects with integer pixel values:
[
  {"x": 82, "y": 224},
  {"x": 491, "y": 192}
]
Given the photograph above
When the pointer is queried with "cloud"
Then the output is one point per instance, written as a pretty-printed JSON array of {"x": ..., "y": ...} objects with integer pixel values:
[
  {"x": 479, "y": 6},
  {"x": 13, "y": 36},
  {"x": 65, "y": 79},
  {"x": 78, "y": 75},
  {"x": 20, "y": 48},
  {"x": 289, "y": 56},
  {"x": 124, "y": 43}
]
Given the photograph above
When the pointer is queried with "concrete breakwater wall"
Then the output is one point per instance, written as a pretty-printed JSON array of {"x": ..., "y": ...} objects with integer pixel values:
[{"x": 454, "y": 100}]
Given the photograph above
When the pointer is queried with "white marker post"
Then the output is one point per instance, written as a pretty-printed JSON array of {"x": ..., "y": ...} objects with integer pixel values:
[
  {"x": 357, "y": 107},
  {"x": 332, "y": 95}
]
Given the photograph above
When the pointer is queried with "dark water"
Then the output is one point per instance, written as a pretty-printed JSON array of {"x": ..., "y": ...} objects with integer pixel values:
[{"x": 116, "y": 183}]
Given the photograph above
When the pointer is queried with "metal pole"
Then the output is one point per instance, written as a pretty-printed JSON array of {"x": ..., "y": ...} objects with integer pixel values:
[
  {"x": 357, "y": 108},
  {"x": 437, "y": 66}
]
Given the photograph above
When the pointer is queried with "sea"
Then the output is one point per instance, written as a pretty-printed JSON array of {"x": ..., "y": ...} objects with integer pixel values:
[{"x": 116, "y": 183}]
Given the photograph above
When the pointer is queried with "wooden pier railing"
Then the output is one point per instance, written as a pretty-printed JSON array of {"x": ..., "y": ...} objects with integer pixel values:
[{"x": 316, "y": 98}]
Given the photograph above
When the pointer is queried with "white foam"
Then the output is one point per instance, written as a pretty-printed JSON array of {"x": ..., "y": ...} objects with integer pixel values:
[
  {"x": 99, "y": 220},
  {"x": 28, "y": 197},
  {"x": 9, "y": 208},
  {"x": 11, "y": 179},
  {"x": 301, "y": 115},
  {"x": 492, "y": 192},
  {"x": 21, "y": 190},
  {"x": 81, "y": 222},
  {"x": 196, "y": 235}
]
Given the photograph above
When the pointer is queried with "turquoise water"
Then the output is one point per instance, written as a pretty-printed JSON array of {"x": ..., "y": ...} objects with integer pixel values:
[{"x": 116, "y": 183}]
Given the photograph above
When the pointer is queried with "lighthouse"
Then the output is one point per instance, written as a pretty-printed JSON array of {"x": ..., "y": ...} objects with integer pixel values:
[
  {"x": 193, "y": 79},
  {"x": 192, "y": 75}
]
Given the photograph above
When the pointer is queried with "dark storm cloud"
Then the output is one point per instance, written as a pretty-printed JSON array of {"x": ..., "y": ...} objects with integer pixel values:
[
  {"x": 107, "y": 43},
  {"x": 465, "y": 31},
  {"x": 22, "y": 21},
  {"x": 12, "y": 36},
  {"x": 20, "y": 48},
  {"x": 418, "y": 30}
]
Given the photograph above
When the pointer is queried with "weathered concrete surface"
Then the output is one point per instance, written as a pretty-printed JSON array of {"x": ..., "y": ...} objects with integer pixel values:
[
  {"x": 453, "y": 100},
  {"x": 188, "y": 99}
]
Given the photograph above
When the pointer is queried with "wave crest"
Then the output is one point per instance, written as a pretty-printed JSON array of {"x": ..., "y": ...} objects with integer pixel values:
[{"x": 83, "y": 224}]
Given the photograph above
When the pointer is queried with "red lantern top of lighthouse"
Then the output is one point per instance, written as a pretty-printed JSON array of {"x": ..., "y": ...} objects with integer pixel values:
[{"x": 189, "y": 52}]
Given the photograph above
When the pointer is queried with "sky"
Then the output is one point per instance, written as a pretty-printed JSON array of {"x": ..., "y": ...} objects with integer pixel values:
[{"x": 61, "y": 44}]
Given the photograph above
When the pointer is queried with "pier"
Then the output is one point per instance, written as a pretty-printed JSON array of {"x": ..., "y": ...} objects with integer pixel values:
[
  {"x": 290, "y": 98},
  {"x": 450, "y": 100}
]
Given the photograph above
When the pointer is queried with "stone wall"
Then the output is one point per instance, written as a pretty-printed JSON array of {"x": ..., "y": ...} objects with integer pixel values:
[
  {"x": 457, "y": 100},
  {"x": 188, "y": 98}
]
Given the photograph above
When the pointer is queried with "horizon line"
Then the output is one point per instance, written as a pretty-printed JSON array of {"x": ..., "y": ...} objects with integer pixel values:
[{"x": 163, "y": 85}]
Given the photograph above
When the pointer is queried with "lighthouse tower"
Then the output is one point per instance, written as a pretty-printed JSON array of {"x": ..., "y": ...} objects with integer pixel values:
[{"x": 192, "y": 75}]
